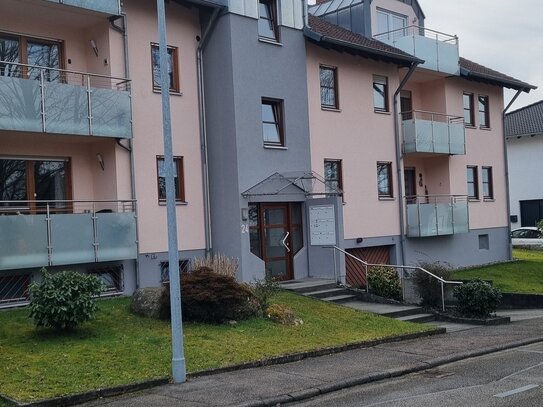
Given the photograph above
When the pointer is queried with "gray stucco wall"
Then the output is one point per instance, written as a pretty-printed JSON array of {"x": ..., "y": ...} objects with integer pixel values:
[
  {"x": 239, "y": 71},
  {"x": 149, "y": 265}
]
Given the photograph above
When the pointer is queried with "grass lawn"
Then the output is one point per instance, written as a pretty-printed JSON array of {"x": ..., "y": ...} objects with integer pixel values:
[
  {"x": 120, "y": 348},
  {"x": 522, "y": 276}
]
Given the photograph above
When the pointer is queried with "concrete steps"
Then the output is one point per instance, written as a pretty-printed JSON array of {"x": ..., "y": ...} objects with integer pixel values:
[{"x": 328, "y": 290}]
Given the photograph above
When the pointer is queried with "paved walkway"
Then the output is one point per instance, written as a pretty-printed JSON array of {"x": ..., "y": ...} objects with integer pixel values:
[{"x": 272, "y": 385}]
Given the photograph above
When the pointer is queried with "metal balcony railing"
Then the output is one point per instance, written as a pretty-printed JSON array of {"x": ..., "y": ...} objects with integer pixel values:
[
  {"x": 437, "y": 215},
  {"x": 53, "y": 233},
  {"x": 111, "y": 7},
  {"x": 437, "y": 49},
  {"x": 50, "y": 100},
  {"x": 430, "y": 132}
]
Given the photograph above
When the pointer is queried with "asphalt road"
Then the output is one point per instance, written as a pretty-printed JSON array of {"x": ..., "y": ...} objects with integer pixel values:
[{"x": 509, "y": 378}]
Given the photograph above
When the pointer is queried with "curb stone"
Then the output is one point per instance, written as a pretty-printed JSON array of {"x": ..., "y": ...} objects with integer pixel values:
[
  {"x": 396, "y": 372},
  {"x": 79, "y": 398}
]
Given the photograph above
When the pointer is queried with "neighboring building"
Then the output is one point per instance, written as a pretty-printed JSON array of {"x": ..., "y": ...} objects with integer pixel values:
[
  {"x": 287, "y": 137},
  {"x": 524, "y": 140}
]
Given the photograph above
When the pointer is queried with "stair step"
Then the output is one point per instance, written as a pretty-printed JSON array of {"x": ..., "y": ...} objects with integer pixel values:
[
  {"x": 340, "y": 298},
  {"x": 302, "y": 287},
  {"x": 403, "y": 312},
  {"x": 420, "y": 318},
  {"x": 331, "y": 292}
]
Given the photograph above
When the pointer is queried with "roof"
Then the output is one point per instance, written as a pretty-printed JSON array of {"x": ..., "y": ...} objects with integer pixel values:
[
  {"x": 526, "y": 121},
  {"x": 480, "y": 73},
  {"x": 333, "y": 36},
  {"x": 322, "y": 7}
]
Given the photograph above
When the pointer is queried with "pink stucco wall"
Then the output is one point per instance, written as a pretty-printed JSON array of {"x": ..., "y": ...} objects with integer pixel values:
[
  {"x": 183, "y": 27},
  {"x": 358, "y": 136}
]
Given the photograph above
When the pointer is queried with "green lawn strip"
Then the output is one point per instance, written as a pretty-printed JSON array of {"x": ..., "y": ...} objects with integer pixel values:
[
  {"x": 121, "y": 348},
  {"x": 522, "y": 276}
]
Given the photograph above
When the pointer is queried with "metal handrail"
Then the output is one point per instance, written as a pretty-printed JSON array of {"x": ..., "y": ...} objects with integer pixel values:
[
  {"x": 448, "y": 116},
  {"x": 366, "y": 264},
  {"x": 412, "y": 29},
  {"x": 95, "y": 75}
]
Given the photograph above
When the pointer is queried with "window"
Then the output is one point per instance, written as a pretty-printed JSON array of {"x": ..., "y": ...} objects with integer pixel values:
[
  {"x": 484, "y": 243},
  {"x": 387, "y": 22},
  {"x": 179, "y": 179},
  {"x": 332, "y": 176},
  {"x": 469, "y": 117},
  {"x": 488, "y": 189},
  {"x": 30, "y": 51},
  {"x": 380, "y": 93},
  {"x": 29, "y": 180},
  {"x": 267, "y": 21},
  {"x": 14, "y": 288},
  {"x": 329, "y": 94},
  {"x": 473, "y": 183},
  {"x": 173, "y": 70},
  {"x": 184, "y": 267},
  {"x": 111, "y": 276},
  {"x": 484, "y": 114},
  {"x": 384, "y": 180},
  {"x": 272, "y": 122}
]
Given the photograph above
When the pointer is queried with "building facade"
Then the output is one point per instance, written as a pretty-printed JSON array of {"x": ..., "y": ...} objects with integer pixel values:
[{"x": 297, "y": 131}]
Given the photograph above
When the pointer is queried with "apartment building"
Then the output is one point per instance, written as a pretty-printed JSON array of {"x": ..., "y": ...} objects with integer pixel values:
[{"x": 295, "y": 131}]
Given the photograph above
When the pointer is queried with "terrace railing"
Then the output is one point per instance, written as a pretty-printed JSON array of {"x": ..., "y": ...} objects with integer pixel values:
[
  {"x": 437, "y": 215},
  {"x": 49, "y": 100}
]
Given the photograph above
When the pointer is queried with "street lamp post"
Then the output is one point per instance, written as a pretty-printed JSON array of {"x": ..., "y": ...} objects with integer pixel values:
[{"x": 178, "y": 357}]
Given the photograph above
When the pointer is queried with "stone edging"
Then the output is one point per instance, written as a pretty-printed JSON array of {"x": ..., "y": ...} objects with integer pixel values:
[
  {"x": 79, "y": 398},
  {"x": 473, "y": 321}
]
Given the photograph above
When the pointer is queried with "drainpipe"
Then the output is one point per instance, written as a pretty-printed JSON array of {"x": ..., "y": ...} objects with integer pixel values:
[
  {"x": 395, "y": 113},
  {"x": 203, "y": 129},
  {"x": 124, "y": 31},
  {"x": 305, "y": 13},
  {"x": 506, "y": 163}
]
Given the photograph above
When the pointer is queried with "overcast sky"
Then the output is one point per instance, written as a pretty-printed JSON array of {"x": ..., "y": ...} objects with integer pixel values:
[{"x": 503, "y": 35}]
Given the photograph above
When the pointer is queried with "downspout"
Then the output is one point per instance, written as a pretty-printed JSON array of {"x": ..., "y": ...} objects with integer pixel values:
[
  {"x": 399, "y": 157},
  {"x": 506, "y": 163},
  {"x": 305, "y": 12},
  {"x": 124, "y": 31},
  {"x": 203, "y": 129}
]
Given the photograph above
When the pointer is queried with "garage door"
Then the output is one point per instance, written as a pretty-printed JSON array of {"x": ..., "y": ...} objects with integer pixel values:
[
  {"x": 356, "y": 273},
  {"x": 531, "y": 212}
]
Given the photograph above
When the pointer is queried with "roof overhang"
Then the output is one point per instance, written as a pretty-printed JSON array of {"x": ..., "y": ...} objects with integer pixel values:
[{"x": 493, "y": 80}]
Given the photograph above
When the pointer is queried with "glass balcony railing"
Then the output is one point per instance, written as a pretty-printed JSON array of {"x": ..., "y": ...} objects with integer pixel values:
[
  {"x": 428, "y": 132},
  {"x": 48, "y": 100},
  {"x": 111, "y": 7},
  {"x": 438, "y": 50},
  {"x": 56, "y": 233},
  {"x": 437, "y": 215}
]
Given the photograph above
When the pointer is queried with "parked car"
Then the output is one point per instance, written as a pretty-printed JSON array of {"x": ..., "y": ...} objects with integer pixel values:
[{"x": 528, "y": 236}]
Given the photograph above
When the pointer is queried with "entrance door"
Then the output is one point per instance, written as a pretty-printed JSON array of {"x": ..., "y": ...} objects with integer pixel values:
[
  {"x": 410, "y": 176},
  {"x": 277, "y": 252}
]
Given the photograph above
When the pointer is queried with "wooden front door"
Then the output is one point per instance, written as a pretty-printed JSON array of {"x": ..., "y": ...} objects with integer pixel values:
[{"x": 276, "y": 239}]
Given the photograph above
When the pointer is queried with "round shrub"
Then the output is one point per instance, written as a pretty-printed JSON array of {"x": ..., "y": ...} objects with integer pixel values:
[
  {"x": 64, "y": 300},
  {"x": 477, "y": 299},
  {"x": 213, "y": 298},
  {"x": 428, "y": 287},
  {"x": 384, "y": 281}
]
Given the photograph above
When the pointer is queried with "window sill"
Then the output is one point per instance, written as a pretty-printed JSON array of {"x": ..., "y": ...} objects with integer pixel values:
[
  {"x": 387, "y": 198},
  {"x": 172, "y": 93},
  {"x": 330, "y": 109},
  {"x": 385, "y": 112},
  {"x": 270, "y": 41},
  {"x": 489, "y": 200},
  {"x": 470, "y": 126},
  {"x": 177, "y": 203},
  {"x": 474, "y": 200},
  {"x": 271, "y": 147},
  {"x": 485, "y": 128}
]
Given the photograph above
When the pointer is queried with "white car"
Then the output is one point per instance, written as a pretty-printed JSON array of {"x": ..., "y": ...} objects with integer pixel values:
[{"x": 528, "y": 236}]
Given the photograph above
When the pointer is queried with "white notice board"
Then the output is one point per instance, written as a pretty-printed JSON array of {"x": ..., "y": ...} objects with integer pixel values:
[{"x": 322, "y": 225}]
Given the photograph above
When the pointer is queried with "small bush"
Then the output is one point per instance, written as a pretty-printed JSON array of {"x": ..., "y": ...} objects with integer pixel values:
[
  {"x": 64, "y": 300},
  {"x": 262, "y": 291},
  {"x": 219, "y": 263},
  {"x": 384, "y": 281},
  {"x": 283, "y": 315},
  {"x": 429, "y": 288},
  {"x": 212, "y": 298},
  {"x": 477, "y": 299}
]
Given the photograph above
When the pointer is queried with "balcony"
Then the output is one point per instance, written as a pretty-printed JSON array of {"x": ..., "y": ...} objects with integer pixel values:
[
  {"x": 438, "y": 50},
  {"x": 48, "y": 100},
  {"x": 429, "y": 132},
  {"x": 437, "y": 215},
  {"x": 57, "y": 233},
  {"x": 110, "y": 7}
]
